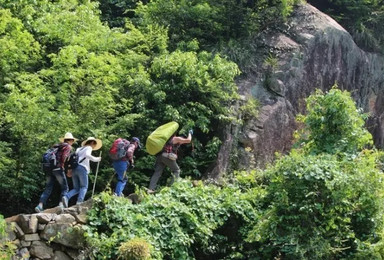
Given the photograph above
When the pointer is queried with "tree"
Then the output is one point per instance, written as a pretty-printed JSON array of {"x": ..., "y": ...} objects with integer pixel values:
[{"x": 18, "y": 49}]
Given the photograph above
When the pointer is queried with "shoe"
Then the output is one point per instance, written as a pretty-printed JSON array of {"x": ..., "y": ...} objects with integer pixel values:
[
  {"x": 150, "y": 191},
  {"x": 61, "y": 205},
  {"x": 64, "y": 200},
  {"x": 38, "y": 209}
]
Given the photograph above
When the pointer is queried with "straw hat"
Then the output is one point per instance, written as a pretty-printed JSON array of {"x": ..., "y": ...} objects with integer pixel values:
[
  {"x": 99, "y": 143},
  {"x": 67, "y": 135}
]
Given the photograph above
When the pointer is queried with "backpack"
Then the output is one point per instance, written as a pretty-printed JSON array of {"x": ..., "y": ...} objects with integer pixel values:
[
  {"x": 158, "y": 138},
  {"x": 50, "y": 158},
  {"x": 73, "y": 161},
  {"x": 119, "y": 149}
]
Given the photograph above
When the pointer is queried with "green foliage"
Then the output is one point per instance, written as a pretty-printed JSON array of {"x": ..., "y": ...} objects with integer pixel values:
[
  {"x": 7, "y": 248},
  {"x": 18, "y": 49},
  {"x": 324, "y": 201},
  {"x": 64, "y": 70},
  {"x": 333, "y": 124},
  {"x": 321, "y": 206},
  {"x": 135, "y": 249},
  {"x": 188, "y": 20},
  {"x": 178, "y": 222}
]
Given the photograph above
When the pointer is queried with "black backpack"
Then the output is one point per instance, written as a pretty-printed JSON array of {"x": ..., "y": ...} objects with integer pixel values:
[
  {"x": 73, "y": 161},
  {"x": 49, "y": 159}
]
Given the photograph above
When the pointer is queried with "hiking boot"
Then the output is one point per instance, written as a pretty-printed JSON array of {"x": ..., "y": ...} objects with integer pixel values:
[
  {"x": 64, "y": 200},
  {"x": 38, "y": 209}
]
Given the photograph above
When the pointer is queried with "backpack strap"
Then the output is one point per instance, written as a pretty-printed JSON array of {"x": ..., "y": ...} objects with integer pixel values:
[{"x": 82, "y": 148}]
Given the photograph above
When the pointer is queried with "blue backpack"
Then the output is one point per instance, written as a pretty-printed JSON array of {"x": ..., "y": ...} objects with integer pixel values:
[{"x": 50, "y": 158}]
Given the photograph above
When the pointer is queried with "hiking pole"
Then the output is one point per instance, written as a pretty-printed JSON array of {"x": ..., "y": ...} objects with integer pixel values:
[{"x": 97, "y": 170}]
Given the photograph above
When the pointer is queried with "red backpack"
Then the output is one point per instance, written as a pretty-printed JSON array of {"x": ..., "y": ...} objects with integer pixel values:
[{"x": 119, "y": 149}]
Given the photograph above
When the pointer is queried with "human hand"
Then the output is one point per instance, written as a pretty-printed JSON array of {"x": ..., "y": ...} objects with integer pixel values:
[
  {"x": 98, "y": 159},
  {"x": 191, "y": 131}
]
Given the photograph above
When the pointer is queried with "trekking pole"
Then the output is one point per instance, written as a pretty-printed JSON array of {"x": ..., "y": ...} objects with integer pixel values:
[{"x": 97, "y": 170}]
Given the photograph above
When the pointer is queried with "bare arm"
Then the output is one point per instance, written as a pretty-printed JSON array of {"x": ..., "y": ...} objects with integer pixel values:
[{"x": 182, "y": 140}]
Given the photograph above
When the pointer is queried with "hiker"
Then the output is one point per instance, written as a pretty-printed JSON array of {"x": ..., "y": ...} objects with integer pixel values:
[
  {"x": 123, "y": 160},
  {"x": 57, "y": 171},
  {"x": 80, "y": 173},
  {"x": 167, "y": 157}
]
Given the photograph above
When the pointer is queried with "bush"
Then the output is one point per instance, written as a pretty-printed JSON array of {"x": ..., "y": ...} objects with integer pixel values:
[
  {"x": 324, "y": 200},
  {"x": 135, "y": 249},
  {"x": 180, "y": 222}
]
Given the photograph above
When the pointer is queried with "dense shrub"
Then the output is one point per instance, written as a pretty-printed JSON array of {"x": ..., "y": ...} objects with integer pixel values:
[
  {"x": 333, "y": 124},
  {"x": 321, "y": 207},
  {"x": 180, "y": 222},
  {"x": 325, "y": 198},
  {"x": 135, "y": 249}
]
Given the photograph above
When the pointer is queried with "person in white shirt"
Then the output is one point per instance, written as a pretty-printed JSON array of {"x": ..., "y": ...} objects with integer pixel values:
[{"x": 80, "y": 173}]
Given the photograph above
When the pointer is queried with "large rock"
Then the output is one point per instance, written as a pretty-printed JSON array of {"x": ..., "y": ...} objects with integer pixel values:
[
  {"x": 65, "y": 234},
  {"x": 41, "y": 250},
  {"x": 311, "y": 51}
]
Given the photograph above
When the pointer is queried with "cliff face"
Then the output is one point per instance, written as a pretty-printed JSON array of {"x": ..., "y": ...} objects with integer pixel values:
[{"x": 311, "y": 52}]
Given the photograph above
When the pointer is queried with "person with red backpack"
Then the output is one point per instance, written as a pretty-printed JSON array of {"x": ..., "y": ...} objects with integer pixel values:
[
  {"x": 167, "y": 157},
  {"x": 56, "y": 157},
  {"x": 121, "y": 154}
]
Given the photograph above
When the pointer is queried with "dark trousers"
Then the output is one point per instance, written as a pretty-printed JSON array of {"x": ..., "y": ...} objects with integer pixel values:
[
  {"x": 160, "y": 164},
  {"x": 59, "y": 175}
]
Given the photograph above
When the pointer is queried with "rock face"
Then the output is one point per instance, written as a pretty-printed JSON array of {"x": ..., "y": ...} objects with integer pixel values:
[
  {"x": 53, "y": 234},
  {"x": 311, "y": 52}
]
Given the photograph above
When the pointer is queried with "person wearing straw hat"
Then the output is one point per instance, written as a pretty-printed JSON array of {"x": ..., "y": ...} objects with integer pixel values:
[
  {"x": 58, "y": 173},
  {"x": 80, "y": 173}
]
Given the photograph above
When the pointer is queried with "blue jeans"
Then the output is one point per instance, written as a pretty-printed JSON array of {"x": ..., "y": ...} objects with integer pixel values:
[
  {"x": 59, "y": 175},
  {"x": 120, "y": 169},
  {"x": 80, "y": 183}
]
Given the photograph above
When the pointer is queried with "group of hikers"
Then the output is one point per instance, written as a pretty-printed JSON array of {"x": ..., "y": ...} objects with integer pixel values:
[{"x": 62, "y": 163}]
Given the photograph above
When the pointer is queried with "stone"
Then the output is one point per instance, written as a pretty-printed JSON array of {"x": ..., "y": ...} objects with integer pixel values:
[
  {"x": 60, "y": 256},
  {"x": 41, "y": 227},
  {"x": 45, "y": 218},
  {"x": 12, "y": 219},
  {"x": 23, "y": 253},
  {"x": 82, "y": 218},
  {"x": 32, "y": 224},
  {"x": 65, "y": 234},
  {"x": 17, "y": 243},
  {"x": 17, "y": 229},
  {"x": 24, "y": 243},
  {"x": 11, "y": 234},
  {"x": 31, "y": 237},
  {"x": 23, "y": 222},
  {"x": 65, "y": 219},
  {"x": 41, "y": 250},
  {"x": 55, "y": 210},
  {"x": 312, "y": 52}
]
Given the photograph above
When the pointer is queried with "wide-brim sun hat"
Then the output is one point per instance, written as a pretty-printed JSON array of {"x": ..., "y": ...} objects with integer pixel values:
[
  {"x": 67, "y": 135},
  {"x": 99, "y": 143}
]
